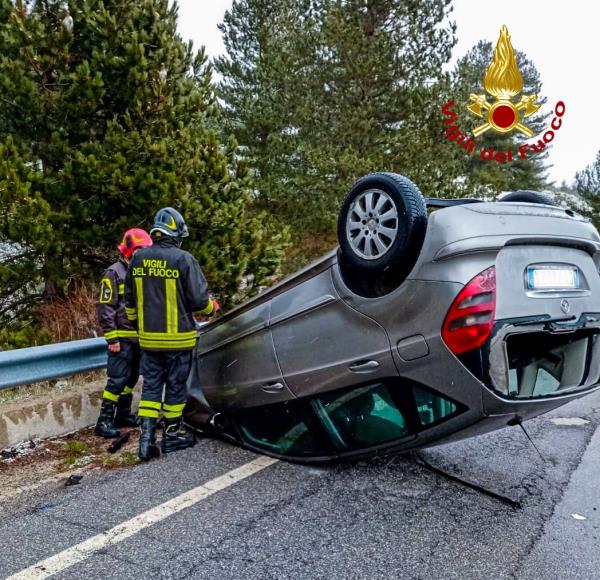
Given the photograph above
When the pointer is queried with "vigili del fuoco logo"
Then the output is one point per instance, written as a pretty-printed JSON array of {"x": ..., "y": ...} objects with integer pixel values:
[{"x": 502, "y": 82}]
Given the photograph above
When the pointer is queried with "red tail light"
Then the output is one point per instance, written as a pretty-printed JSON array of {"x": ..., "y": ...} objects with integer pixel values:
[{"x": 470, "y": 320}]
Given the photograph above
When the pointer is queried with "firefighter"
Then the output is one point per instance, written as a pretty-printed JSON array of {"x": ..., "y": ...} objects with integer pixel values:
[
  {"x": 121, "y": 336},
  {"x": 164, "y": 289}
]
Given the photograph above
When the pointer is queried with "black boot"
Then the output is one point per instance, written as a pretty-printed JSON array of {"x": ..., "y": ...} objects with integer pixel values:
[
  {"x": 148, "y": 447},
  {"x": 124, "y": 416},
  {"x": 105, "y": 427},
  {"x": 175, "y": 436}
]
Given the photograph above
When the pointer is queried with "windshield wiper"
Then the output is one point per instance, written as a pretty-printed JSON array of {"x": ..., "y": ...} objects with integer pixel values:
[{"x": 545, "y": 321}]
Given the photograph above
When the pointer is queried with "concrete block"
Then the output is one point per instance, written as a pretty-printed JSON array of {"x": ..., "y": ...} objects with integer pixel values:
[{"x": 51, "y": 415}]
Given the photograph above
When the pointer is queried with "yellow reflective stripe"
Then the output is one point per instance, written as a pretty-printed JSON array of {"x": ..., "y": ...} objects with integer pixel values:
[
  {"x": 166, "y": 340},
  {"x": 127, "y": 391},
  {"x": 121, "y": 288},
  {"x": 139, "y": 287},
  {"x": 182, "y": 344},
  {"x": 171, "y": 303},
  {"x": 131, "y": 313},
  {"x": 153, "y": 413},
  {"x": 150, "y": 404},
  {"x": 127, "y": 333},
  {"x": 105, "y": 288},
  {"x": 172, "y": 414},
  {"x": 166, "y": 336},
  {"x": 112, "y": 334},
  {"x": 173, "y": 411},
  {"x": 209, "y": 309},
  {"x": 110, "y": 396},
  {"x": 177, "y": 407}
]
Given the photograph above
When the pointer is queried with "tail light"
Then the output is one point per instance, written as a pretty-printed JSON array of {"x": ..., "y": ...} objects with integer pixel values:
[{"x": 470, "y": 320}]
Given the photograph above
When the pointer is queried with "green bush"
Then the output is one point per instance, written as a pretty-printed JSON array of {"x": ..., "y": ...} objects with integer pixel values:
[{"x": 12, "y": 337}]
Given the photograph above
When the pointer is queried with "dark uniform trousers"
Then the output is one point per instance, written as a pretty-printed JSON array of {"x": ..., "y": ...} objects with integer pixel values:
[
  {"x": 123, "y": 370},
  {"x": 169, "y": 369}
]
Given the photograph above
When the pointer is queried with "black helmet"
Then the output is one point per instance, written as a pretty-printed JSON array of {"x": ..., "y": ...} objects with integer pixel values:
[{"x": 170, "y": 222}]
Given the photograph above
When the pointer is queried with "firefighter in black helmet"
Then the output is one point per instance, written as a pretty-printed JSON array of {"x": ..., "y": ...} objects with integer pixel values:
[{"x": 164, "y": 288}]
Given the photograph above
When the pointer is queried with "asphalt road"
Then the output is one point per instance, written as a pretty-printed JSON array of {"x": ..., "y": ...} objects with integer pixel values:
[{"x": 386, "y": 518}]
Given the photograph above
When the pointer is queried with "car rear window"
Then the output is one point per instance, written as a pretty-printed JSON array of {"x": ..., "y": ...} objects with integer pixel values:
[{"x": 543, "y": 364}]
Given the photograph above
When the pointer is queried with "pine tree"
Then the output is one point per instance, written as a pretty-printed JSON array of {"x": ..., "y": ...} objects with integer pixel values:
[
  {"x": 320, "y": 92},
  {"x": 106, "y": 116},
  {"x": 491, "y": 177},
  {"x": 587, "y": 184},
  {"x": 270, "y": 45}
]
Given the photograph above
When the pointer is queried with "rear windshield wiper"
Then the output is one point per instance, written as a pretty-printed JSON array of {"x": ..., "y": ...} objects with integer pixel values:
[{"x": 545, "y": 321}]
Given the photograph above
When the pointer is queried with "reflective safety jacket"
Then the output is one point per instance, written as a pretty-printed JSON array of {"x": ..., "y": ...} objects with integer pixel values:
[
  {"x": 164, "y": 287},
  {"x": 110, "y": 305}
]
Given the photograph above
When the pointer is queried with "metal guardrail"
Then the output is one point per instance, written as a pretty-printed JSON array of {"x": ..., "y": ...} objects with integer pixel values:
[{"x": 41, "y": 363}]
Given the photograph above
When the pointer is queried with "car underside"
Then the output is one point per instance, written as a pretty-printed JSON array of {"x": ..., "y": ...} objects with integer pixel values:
[{"x": 421, "y": 328}]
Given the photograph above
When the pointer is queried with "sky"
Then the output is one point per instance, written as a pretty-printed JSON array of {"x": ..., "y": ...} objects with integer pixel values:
[{"x": 562, "y": 39}]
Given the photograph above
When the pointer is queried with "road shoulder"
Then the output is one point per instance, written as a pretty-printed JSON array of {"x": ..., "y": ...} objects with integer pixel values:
[{"x": 569, "y": 546}]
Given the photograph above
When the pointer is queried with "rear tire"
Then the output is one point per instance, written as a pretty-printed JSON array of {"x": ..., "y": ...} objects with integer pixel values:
[{"x": 381, "y": 228}]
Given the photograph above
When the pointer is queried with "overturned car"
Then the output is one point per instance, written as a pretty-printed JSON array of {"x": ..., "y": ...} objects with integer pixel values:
[{"x": 420, "y": 329}]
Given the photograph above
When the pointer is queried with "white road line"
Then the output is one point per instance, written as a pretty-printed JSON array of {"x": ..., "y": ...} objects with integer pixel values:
[{"x": 79, "y": 552}]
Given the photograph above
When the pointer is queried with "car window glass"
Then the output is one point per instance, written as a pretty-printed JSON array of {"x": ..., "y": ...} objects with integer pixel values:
[
  {"x": 348, "y": 419},
  {"x": 280, "y": 428},
  {"x": 543, "y": 364},
  {"x": 431, "y": 407},
  {"x": 361, "y": 417},
  {"x": 545, "y": 384}
]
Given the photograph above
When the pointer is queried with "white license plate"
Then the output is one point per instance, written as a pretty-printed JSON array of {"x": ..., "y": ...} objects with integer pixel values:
[{"x": 553, "y": 278}]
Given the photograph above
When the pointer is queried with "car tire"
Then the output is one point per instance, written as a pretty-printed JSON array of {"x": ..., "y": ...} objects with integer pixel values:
[
  {"x": 381, "y": 228},
  {"x": 528, "y": 197}
]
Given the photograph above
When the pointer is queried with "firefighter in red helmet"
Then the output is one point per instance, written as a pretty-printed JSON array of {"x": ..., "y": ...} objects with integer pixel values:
[{"x": 121, "y": 336}]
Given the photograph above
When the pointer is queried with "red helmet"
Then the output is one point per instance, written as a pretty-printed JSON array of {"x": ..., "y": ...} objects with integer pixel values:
[{"x": 132, "y": 240}]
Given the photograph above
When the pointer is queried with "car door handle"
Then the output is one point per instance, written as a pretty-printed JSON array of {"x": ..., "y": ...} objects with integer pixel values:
[
  {"x": 364, "y": 366},
  {"x": 273, "y": 387}
]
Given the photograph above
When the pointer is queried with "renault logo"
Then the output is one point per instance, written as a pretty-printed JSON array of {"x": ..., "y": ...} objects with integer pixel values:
[{"x": 565, "y": 306}]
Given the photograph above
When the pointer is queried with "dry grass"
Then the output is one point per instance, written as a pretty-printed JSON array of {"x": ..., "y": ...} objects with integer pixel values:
[
  {"x": 72, "y": 317},
  {"x": 53, "y": 460}
]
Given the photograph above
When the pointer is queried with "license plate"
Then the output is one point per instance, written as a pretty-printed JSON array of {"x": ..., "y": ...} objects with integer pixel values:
[{"x": 553, "y": 278}]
